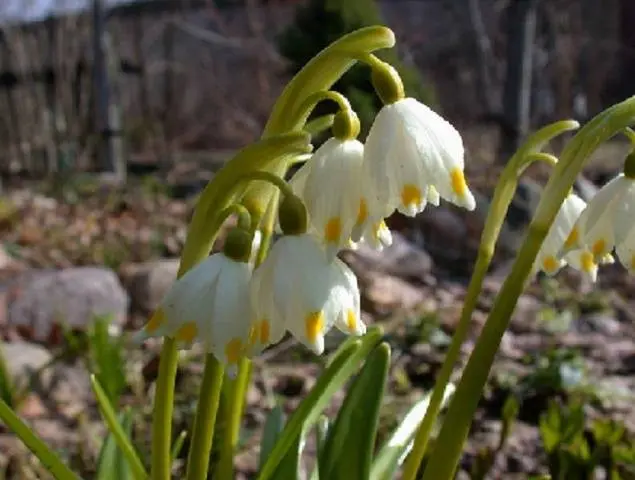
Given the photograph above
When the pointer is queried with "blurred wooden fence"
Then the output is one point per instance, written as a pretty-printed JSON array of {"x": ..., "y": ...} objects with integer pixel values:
[{"x": 75, "y": 89}]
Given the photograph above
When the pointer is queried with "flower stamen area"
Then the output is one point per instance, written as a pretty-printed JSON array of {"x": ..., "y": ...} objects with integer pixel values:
[
  {"x": 333, "y": 230},
  {"x": 157, "y": 319},
  {"x": 550, "y": 264},
  {"x": 459, "y": 185},
  {"x": 187, "y": 332},
  {"x": 314, "y": 324},
  {"x": 234, "y": 350},
  {"x": 599, "y": 248},
  {"x": 351, "y": 320},
  {"x": 587, "y": 261},
  {"x": 410, "y": 195},
  {"x": 572, "y": 239},
  {"x": 362, "y": 213}
]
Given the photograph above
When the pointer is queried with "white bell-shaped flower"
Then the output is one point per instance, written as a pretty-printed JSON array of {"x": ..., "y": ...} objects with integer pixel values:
[
  {"x": 606, "y": 220},
  {"x": 298, "y": 289},
  {"x": 328, "y": 183},
  {"x": 549, "y": 258},
  {"x": 209, "y": 305},
  {"x": 414, "y": 156}
]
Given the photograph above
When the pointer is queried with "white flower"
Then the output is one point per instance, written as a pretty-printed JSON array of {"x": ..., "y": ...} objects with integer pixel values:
[
  {"x": 209, "y": 304},
  {"x": 413, "y": 156},
  {"x": 549, "y": 258},
  {"x": 298, "y": 289},
  {"x": 606, "y": 222},
  {"x": 328, "y": 183}
]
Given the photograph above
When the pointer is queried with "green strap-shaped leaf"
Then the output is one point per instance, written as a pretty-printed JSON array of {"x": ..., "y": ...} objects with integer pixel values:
[
  {"x": 345, "y": 363},
  {"x": 47, "y": 457},
  {"x": 112, "y": 463},
  {"x": 123, "y": 440},
  {"x": 394, "y": 451},
  {"x": 271, "y": 432},
  {"x": 348, "y": 450},
  {"x": 177, "y": 446}
]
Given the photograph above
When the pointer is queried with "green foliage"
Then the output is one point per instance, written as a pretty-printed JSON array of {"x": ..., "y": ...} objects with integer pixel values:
[
  {"x": 318, "y": 24},
  {"x": 575, "y": 451},
  {"x": 112, "y": 463},
  {"x": 487, "y": 456},
  {"x": 106, "y": 353}
]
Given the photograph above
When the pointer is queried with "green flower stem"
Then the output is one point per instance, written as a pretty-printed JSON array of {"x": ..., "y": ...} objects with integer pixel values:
[
  {"x": 502, "y": 198},
  {"x": 202, "y": 232},
  {"x": 447, "y": 452},
  {"x": 321, "y": 73},
  {"x": 312, "y": 100},
  {"x": 240, "y": 385},
  {"x": 162, "y": 415},
  {"x": 244, "y": 217},
  {"x": 205, "y": 419}
]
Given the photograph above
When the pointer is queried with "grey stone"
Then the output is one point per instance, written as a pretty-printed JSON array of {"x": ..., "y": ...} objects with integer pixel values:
[
  {"x": 40, "y": 302},
  {"x": 148, "y": 282},
  {"x": 24, "y": 359}
]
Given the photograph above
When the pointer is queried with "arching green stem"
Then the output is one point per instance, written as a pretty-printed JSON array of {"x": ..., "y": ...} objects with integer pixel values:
[
  {"x": 445, "y": 457},
  {"x": 502, "y": 198}
]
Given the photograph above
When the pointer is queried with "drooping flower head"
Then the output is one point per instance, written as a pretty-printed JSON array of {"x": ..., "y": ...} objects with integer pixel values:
[
  {"x": 297, "y": 288},
  {"x": 606, "y": 223},
  {"x": 210, "y": 304}
]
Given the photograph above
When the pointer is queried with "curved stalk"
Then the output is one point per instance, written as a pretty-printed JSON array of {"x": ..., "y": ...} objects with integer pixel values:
[{"x": 445, "y": 457}]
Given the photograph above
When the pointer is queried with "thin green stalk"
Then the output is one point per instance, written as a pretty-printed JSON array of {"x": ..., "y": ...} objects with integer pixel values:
[
  {"x": 236, "y": 405},
  {"x": 205, "y": 419},
  {"x": 53, "y": 464},
  {"x": 240, "y": 384},
  {"x": 445, "y": 457},
  {"x": 502, "y": 198},
  {"x": 202, "y": 232},
  {"x": 162, "y": 418}
]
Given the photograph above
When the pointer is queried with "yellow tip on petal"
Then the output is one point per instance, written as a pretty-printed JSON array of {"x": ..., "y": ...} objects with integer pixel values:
[
  {"x": 314, "y": 324},
  {"x": 187, "y": 332},
  {"x": 362, "y": 212},
  {"x": 351, "y": 320},
  {"x": 459, "y": 184},
  {"x": 265, "y": 332},
  {"x": 333, "y": 230},
  {"x": 157, "y": 319},
  {"x": 587, "y": 261},
  {"x": 572, "y": 239},
  {"x": 550, "y": 264},
  {"x": 599, "y": 248},
  {"x": 411, "y": 195},
  {"x": 234, "y": 350}
]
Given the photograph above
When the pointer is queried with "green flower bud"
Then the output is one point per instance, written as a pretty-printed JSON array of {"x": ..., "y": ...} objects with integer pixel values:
[{"x": 293, "y": 216}]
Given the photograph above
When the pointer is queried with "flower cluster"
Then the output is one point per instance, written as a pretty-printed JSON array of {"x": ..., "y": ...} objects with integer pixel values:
[
  {"x": 584, "y": 236},
  {"x": 338, "y": 198}
]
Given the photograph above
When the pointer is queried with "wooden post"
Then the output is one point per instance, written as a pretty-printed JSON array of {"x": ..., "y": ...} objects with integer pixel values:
[
  {"x": 51, "y": 112},
  {"x": 521, "y": 30},
  {"x": 109, "y": 153}
]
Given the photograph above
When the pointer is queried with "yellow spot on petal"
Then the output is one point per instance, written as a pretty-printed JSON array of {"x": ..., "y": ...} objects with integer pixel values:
[
  {"x": 234, "y": 350},
  {"x": 351, "y": 320},
  {"x": 187, "y": 332},
  {"x": 378, "y": 228},
  {"x": 333, "y": 230},
  {"x": 362, "y": 212},
  {"x": 550, "y": 264},
  {"x": 587, "y": 261},
  {"x": 458, "y": 182},
  {"x": 599, "y": 248},
  {"x": 410, "y": 195},
  {"x": 265, "y": 331},
  {"x": 573, "y": 237},
  {"x": 314, "y": 324},
  {"x": 157, "y": 319}
]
